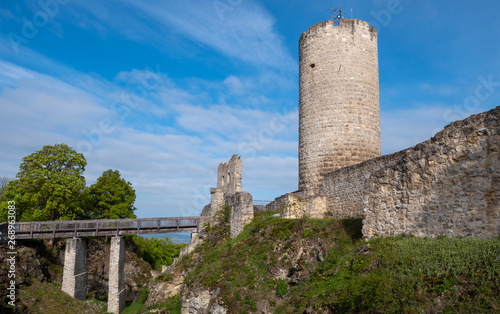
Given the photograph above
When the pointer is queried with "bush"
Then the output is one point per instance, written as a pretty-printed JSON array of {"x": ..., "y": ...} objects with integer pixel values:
[
  {"x": 281, "y": 288},
  {"x": 144, "y": 295},
  {"x": 158, "y": 251}
]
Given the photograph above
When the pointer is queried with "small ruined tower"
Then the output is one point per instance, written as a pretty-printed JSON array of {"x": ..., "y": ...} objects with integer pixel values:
[{"x": 339, "y": 115}]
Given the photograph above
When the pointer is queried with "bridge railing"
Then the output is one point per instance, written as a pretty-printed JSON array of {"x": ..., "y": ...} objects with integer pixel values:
[{"x": 102, "y": 227}]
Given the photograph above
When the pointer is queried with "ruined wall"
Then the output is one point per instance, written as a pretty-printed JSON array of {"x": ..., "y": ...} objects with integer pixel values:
[
  {"x": 229, "y": 176},
  {"x": 346, "y": 188},
  {"x": 241, "y": 205},
  {"x": 216, "y": 204},
  {"x": 448, "y": 185},
  {"x": 339, "y": 123},
  {"x": 299, "y": 205},
  {"x": 228, "y": 192}
]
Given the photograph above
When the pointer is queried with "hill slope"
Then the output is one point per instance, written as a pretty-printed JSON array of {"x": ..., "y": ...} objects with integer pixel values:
[{"x": 323, "y": 265}]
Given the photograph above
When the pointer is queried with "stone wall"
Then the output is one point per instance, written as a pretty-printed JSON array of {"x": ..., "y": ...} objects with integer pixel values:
[
  {"x": 345, "y": 189},
  {"x": 216, "y": 204},
  {"x": 228, "y": 192},
  {"x": 448, "y": 185},
  {"x": 116, "y": 288},
  {"x": 75, "y": 268},
  {"x": 298, "y": 205},
  {"x": 241, "y": 205},
  {"x": 229, "y": 176}
]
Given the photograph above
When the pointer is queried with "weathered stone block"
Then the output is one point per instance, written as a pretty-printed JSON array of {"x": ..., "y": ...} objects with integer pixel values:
[
  {"x": 339, "y": 123},
  {"x": 241, "y": 205},
  {"x": 229, "y": 176},
  {"x": 75, "y": 268},
  {"x": 116, "y": 292}
]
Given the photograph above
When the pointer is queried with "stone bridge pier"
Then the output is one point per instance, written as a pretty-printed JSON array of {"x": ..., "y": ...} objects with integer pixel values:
[{"x": 75, "y": 272}]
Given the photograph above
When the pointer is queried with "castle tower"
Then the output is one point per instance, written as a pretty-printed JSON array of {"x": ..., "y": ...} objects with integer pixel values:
[{"x": 339, "y": 115}]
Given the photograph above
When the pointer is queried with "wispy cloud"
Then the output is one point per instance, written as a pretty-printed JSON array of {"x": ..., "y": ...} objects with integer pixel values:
[
  {"x": 171, "y": 169},
  {"x": 245, "y": 32}
]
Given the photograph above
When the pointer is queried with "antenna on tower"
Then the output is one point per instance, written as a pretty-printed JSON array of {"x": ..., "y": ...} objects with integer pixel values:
[{"x": 336, "y": 13}]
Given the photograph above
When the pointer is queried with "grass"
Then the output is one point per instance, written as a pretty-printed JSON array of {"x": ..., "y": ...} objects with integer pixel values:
[
  {"x": 48, "y": 298},
  {"x": 274, "y": 266},
  {"x": 321, "y": 265},
  {"x": 133, "y": 308},
  {"x": 172, "y": 306}
]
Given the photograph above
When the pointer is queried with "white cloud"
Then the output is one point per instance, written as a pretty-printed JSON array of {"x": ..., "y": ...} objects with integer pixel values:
[
  {"x": 171, "y": 169},
  {"x": 244, "y": 31}
]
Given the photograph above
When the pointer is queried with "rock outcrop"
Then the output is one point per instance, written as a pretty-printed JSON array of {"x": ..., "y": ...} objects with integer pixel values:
[{"x": 43, "y": 261}]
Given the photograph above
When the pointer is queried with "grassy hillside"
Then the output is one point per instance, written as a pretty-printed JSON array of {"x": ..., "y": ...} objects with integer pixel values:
[
  {"x": 321, "y": 266},
  {"x": 312, "y": 265}
]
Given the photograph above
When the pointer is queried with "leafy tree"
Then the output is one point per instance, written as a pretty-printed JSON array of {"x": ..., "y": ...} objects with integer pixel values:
[
  {"x": 4, "y": 181},
  {"x": 111, "y": 197},
  {"x": 49, "y": 185},
  {"x": 158, "y": 251}
]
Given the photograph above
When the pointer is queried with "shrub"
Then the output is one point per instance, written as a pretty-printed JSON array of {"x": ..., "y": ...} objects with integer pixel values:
[
  {"x": 144, "y": 295},
  {"x": 281, "y": 288},
  {"x": 158, "y": 251}
]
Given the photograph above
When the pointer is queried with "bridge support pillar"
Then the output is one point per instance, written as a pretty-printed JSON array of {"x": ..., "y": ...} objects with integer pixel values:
[
  {"x": 116, "y": 289},
  {"x": 75, "y": 268}
]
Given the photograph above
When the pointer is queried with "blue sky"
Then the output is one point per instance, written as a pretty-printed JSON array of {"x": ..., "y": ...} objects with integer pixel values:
[{"x": 164, "y": 91}]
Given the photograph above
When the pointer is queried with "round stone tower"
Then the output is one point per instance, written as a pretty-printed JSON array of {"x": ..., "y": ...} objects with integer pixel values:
[{"x": 339, "y": 115}]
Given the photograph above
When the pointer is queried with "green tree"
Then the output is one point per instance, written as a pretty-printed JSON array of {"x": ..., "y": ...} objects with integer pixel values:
[
  {"x": 4, "y": 181},
  {"x": 158, "y": 251},
  {"x": 49, "y": 185},
  {"x": 111, "y": 197}
]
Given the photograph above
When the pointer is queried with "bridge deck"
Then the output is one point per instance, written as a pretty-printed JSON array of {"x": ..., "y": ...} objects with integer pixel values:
[{"x": 101, "y": 227}]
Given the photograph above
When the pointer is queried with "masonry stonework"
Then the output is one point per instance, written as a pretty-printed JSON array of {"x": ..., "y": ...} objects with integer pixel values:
[
  {"x": 116, "y": 285},
  {"x": 241, "y": 205},
  {"x": 229, "y": 192},
  {"x": 75, "y": 268},
  {"x": 229, "y": 176},
  {"x": 448, "y": 185},
  {"x": 339, "y": 123}
]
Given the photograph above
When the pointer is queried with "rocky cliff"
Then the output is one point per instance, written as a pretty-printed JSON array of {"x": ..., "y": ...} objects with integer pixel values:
[{"x": 40, "y": 261}]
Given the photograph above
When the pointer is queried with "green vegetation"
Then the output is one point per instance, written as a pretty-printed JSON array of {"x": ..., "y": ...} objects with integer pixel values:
[
  {"x": 288, "y": 266},
  {"x": 158, "y": 251},
  {"x": 111, "y": 197},
  {"x": 144, "y": 295},
  {"x": 50, "y": 186},
  {"x": 281, "y": 288},
  {"x": 4, "y": 181},
  {"x": 173, "y": 305},
  {"x": 133, "y": 308},
  {"x": 48, "y": 298},
  {"x": 317, "y": 265},
  {"x": 408, "y": 274}
]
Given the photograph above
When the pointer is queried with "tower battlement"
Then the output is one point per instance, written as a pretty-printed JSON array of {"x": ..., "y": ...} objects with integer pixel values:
[{"x": 346, "y": 26}]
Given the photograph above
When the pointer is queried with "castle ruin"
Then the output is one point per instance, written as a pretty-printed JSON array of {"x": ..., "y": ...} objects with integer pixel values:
[
  {"x": 228, "y": 192},
  {"x": 448, "y": 185}
]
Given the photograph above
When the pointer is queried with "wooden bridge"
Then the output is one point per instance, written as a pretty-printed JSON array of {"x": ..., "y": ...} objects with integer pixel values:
[
  {"x": 75, "y": 257},
  {"x": 100, "y": 227}
]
